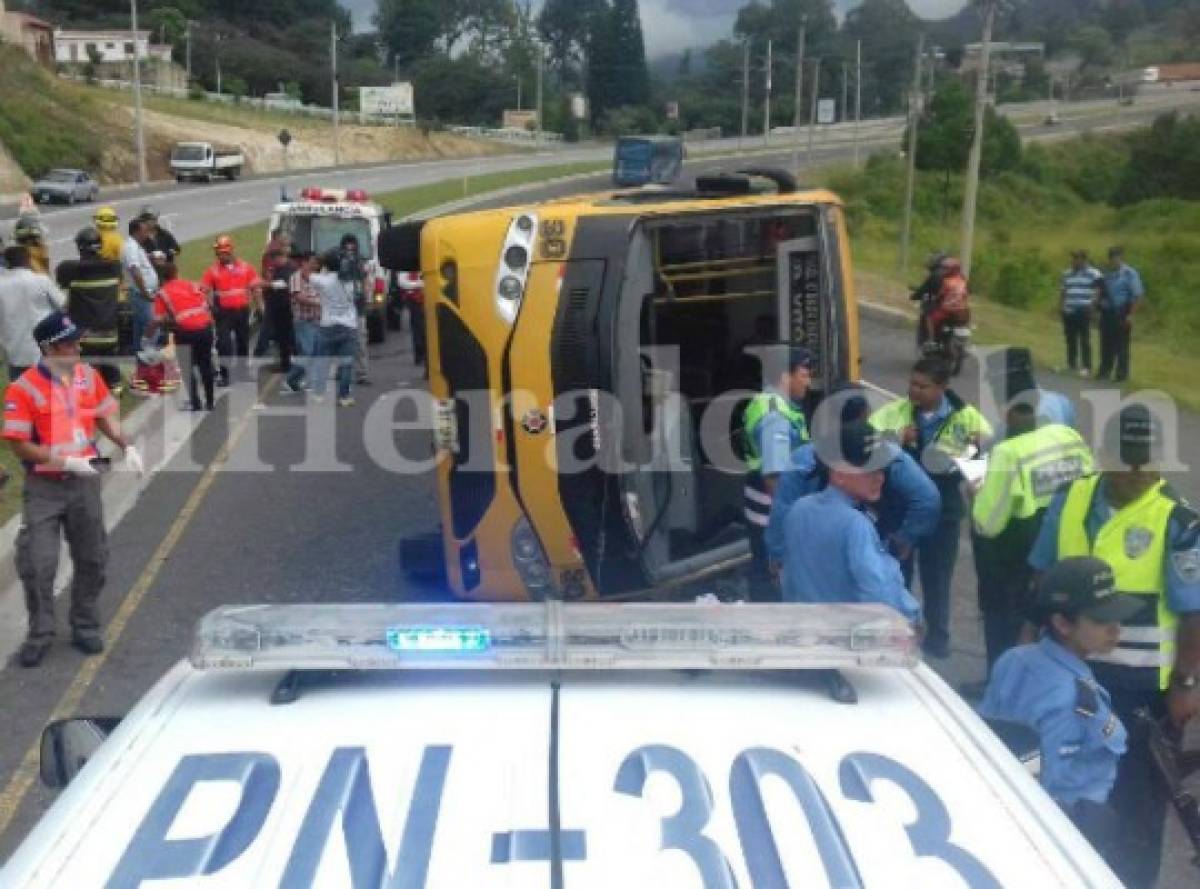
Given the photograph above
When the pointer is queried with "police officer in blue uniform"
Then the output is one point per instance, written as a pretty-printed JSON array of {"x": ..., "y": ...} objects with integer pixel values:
[
  {"x": 1049, "y": 687},
  {"x": 908, "y": 509},
  {"x": 832, "y": 550},
  {"x": 773, "y": 425}
]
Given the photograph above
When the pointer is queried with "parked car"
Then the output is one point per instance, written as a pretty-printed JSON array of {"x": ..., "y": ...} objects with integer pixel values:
[{"x": 67, "y": 186}]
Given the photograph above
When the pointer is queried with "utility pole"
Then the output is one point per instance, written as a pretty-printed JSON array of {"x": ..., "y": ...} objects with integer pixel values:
[
  {"x": 217, "y": 54},
  {"x": 857, "y": 98},
  {"x": 541, "y": 62},
  {"x": 812, "y": 112},
  {"x": 337, "y": 140},
  {"x": 845, "y": 90},
  {"x": 914, "y": 122},
  {"x": 801, "y": 39},
  {"x": 139, "y": 133},
  {"x": 189, "y": 52},
  {"x": 767, "y": 103},
  {"x": 971, "y": 189},
  {"x": 745, "y": 94}
]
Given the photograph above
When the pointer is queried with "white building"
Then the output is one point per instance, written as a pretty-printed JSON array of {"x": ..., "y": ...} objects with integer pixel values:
[{"x": 78, "y": 47}]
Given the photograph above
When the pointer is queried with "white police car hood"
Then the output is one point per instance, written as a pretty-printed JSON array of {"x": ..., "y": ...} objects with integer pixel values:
[{"x": 670, "y": 781}]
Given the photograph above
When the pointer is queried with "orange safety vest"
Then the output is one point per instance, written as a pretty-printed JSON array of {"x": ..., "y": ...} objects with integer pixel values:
[
  {"x": 39, "y": 408},
  {"x": 185, "y": 304},
  {"x": 231, "y": 283}
]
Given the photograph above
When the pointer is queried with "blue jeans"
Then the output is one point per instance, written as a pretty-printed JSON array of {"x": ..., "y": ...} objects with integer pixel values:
[
  {"x": 335, "y": 342},
  {"x": 142, "y": 311},
  {"x": 306, "y": 335}
]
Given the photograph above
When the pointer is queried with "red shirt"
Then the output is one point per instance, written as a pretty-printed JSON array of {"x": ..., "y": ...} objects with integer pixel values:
[
  {"x": 39, "y": 408},
  {"x": 184, "y": 303},
  {"x": 231, "y": 283}
]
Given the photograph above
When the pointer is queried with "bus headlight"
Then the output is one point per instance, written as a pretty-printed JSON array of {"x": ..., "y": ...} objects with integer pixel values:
[
  {"x": 511, "y": 288},
  {"x": 530, "y": 560},
  {"x": 512, "y": 272}
]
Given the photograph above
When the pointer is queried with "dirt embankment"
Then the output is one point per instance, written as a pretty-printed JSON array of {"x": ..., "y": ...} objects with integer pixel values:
[
  {"x": 311, "y": 146},
  {"x": 12, "y": 177}
]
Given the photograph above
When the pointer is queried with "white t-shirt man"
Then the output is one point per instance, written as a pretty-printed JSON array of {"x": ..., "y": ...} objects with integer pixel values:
[{"x": 133, "y": 257}]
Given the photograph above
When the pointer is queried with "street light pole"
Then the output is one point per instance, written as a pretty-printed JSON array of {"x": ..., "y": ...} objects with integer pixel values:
[
  {"x": 812, "y": 113},
  {"x": 797, "y": 118},
  {"x": 337, "y": 141},
  {"x": 971, "y": 188},
  {"x": 767, "y": 103},
  {"x": 857, "y": 97},
  {"x": 914, "y": 123},
  {"x": 139, "y": 133},
  {"x": 541, "y": 62},
  {"x": 745, "y": 94}
]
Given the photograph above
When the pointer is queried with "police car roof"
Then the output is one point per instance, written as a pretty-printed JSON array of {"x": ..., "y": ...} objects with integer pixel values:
[{"x": 451, "y": 778}]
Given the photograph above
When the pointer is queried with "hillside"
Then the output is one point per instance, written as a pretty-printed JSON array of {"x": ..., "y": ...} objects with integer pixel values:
[{"x": 47, "y": 122}]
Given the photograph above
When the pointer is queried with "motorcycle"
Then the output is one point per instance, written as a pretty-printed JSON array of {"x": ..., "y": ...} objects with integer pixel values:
[{"x": 951, "y": 344}]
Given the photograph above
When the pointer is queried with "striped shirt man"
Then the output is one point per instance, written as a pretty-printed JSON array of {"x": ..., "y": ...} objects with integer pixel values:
[{"x": 1079, "y": 284}]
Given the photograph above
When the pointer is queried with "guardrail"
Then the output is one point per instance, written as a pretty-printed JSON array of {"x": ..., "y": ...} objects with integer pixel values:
[{"x": 507, "y": 134}]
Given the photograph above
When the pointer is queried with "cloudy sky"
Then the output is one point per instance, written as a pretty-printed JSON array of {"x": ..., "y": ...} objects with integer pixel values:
[{"x": 672, "y": 25}]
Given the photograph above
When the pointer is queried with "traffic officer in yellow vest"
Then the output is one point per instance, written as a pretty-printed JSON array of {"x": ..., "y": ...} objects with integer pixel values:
[
  {"x": 773, "y": 426},
  {"x": 1129, "y": 517},
  {"x": 1023, "y": 474},
  {"x": 934, "y": 425}
]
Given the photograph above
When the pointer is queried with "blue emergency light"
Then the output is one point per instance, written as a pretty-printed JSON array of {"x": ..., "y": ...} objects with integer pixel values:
[{"x": 438, "y": 639}]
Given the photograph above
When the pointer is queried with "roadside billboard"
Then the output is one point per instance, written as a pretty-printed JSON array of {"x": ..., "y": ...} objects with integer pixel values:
[{"x": 386, "y": 101}]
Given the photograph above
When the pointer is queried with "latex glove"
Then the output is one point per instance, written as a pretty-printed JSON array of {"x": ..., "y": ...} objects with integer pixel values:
[
  {"x": 79, "y": 466},
  {"x": 133, "y": 461}
]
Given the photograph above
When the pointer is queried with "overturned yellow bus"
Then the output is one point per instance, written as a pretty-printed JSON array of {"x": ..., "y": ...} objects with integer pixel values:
[{"x": 589, "y": 358}]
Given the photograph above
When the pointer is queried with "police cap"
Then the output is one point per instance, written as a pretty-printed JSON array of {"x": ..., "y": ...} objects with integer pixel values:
[{"x": 1084, "y": 585}]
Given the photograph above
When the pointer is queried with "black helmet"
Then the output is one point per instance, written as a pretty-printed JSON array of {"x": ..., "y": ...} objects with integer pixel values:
[
  {"x": 28, "y": 229},
  {"x": 87, "y": 241},
  {"x": 935, "y": 259}
]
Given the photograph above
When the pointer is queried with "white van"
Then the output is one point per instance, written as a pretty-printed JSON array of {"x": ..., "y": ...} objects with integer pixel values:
[{"x": 588, "y": 746}]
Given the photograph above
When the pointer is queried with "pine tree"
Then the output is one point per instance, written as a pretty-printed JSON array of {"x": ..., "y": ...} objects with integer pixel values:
[{"x": 631, "y": 76}]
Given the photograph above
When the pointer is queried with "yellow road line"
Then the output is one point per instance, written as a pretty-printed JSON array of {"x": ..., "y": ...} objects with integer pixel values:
[{"x": 27, "y": 771}]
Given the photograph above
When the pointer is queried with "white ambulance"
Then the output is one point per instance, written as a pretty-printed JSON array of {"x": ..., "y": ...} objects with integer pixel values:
[
  {"x": 319, "y": 218},
  {"x": 586, "y": 746}
]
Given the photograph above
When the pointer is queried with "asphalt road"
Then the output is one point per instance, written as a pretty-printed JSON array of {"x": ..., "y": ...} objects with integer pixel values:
[
  {"x": 259, "y": 526},
  {"x": 197, "y": 210}
]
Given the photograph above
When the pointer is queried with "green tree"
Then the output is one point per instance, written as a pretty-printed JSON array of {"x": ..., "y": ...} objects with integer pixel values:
[
  {"x": 168, "y": 21},
  {"x": 946, "y": 132},
  {"x": 628, "y": 72},
  {"x": 1093, "y": 45},
  {"x": 410, "y": 29},
  {"x": 888, "y": 31},
  {"x": 1164, "y": 163}
]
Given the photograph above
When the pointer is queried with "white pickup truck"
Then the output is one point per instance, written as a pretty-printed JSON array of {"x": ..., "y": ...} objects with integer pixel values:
[{"x": 204, "y": 160}]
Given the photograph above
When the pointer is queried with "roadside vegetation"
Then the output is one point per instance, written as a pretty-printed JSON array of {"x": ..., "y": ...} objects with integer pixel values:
[
  {"x": 46, "y": 122},
  {"x": 1140, "y": 190}
]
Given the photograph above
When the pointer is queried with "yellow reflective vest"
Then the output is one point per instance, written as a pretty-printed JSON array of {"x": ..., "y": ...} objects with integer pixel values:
[
  {"x": 1134, "y": 542},
  {"x": 1024, "y": 472}
]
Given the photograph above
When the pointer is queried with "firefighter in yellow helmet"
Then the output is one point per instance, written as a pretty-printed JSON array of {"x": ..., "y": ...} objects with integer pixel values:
[{"x": 111, "y": 242}]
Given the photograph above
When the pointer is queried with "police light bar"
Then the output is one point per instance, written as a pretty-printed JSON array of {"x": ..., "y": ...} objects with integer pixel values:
[
  {"x": 333, "y": 195},
  {"x": 552, "y": 635}
]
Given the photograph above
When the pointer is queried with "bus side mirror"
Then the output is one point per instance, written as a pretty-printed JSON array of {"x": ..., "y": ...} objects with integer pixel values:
[
  {"x": 399, "y": 247},
  {"x": 67, "y": 745}
]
